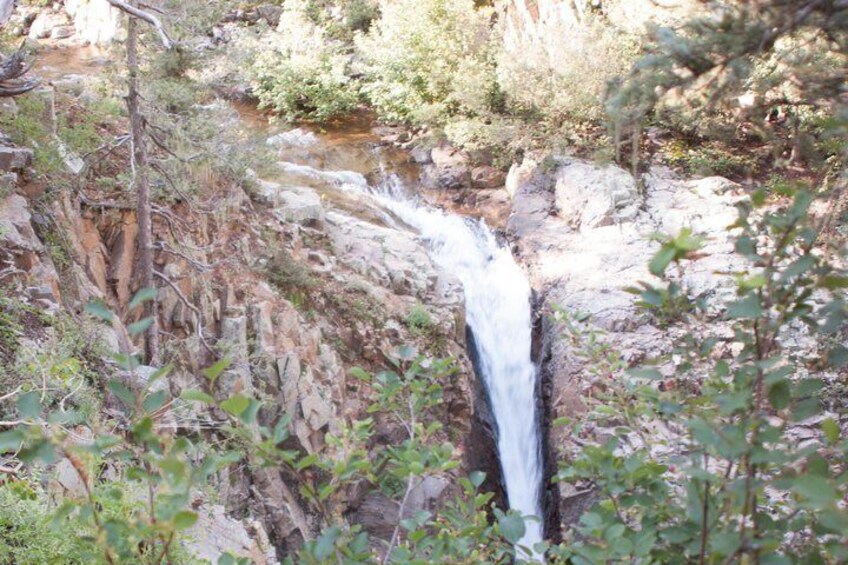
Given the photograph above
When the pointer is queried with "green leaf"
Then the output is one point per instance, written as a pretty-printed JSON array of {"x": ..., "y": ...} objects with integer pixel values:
[
  {"x": 10, "y": 440},
  {"x": 235, "y": 405},
  {"x": 226, "y": 559},
  {"x": 184, "y": 519},
  {"x": 140, "y": 326},
  {"x": 213, "y": 372},
  {"x": 837, "y": 357},
  {"x": 779, "y": 394},
  {"x": 834, "y": 282},
  {"x": 155, "y": 401},
  {"x": 647, "y": 373},
  {"x": 360, "y": 374},
  {"x": 193, "y": 395},
  {"x": 831, "y": 430},
  {"x": 815, "y": 489},
  {"x": 162, "y": 372},
  {"x": 406, "y": 353},
  {"x": 746, "y": 308},
  {"x": 326, "y": 543},
  {"x": 142, "y": 296},
  {"x": 29, "y": 406},
  {"x": 120, "y": 390},
  {"x": 99, "y": 309},
  {"x": 661, "y": 260},
  {"x": 512, "y": 527},
  {"x": 477, "y": 478}
]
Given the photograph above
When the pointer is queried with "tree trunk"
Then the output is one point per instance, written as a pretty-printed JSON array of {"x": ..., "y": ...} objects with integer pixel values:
[{"x": 142, "y": 186}]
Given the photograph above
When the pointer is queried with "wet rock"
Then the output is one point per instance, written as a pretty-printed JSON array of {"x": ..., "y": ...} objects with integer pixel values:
[
  {"x": 451, "y": 167},
  {"x": 298, "y": 137},
  {"x": 421, "y": 154},
  {"x": 487, "y": 177}
]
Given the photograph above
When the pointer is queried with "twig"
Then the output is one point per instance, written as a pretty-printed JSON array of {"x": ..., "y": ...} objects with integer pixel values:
[{"x": 192, "y": 307}]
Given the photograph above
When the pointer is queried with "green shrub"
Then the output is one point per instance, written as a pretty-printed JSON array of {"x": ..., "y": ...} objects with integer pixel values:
[
  {"x": 564, "y": 74},
  {"x": 418, "y": 320},
  {"x": 727, "y": 481},
  {"x": 28, "y": 533},
  {"x": 300, "y": 73},
  {"x": 426, "y": 61},
  {"x": 359, "y": 14}
]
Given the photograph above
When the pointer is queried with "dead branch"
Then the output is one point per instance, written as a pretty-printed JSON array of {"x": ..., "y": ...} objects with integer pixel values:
[
  {"x": 12, "y": 70},
  {"x": 147, "y": 17},
  {"x": 194, "y": 309}
]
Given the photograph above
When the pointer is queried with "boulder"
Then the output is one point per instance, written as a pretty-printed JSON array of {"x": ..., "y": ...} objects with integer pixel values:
[
  {"x": 46, "y": 21},
  {"x": 270, "y": 13},
  {"x": 451, "y": 167},
  {"x": 298, "y": 137},
  {"x": 301, "y": 205},
  {"x": 590, "y": 196},
  {"x": 95, "y": 21}
]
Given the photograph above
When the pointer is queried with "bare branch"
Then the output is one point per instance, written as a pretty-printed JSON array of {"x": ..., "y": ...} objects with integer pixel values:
[{"x": 147, "y": 17}]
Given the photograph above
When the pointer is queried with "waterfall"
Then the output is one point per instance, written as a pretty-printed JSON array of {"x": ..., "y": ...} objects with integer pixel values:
[{"x": 497, "y": 303}]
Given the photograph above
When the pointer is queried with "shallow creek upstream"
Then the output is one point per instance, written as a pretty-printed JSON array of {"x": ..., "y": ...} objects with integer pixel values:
[{"x": 357, "y": 174}]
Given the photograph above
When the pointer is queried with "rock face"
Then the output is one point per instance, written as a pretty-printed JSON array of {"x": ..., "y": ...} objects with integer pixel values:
[
  {"x": 585, "y": 238},
  {"x": 215, "y": 533},
  {"x": 295, "y": 293}
]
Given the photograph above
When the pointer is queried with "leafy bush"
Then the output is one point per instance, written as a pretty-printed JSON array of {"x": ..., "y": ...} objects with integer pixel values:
[
  {"x": 428, "y": 61},
  {"x": 728, "y": 480},
  {"x": 564, "y": 75},
  {"x": 300, "y": 73}
]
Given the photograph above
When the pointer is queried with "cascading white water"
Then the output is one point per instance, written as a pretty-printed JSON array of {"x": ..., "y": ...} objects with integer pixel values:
[{"x": 497, "y": 302}]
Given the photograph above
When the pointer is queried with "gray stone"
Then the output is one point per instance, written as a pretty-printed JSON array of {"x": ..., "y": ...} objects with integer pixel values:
[
  {"x": 298, "y": 137},
  {"x": 62, "y": 32},
  {"x": 45, "y": 23},
  {"x": 215, "y": 533},
  {"x": 451, "y": 167},
  {"x": 270, "y": 13},
  {"x": 589, "y": 196},
  {"x": 300, "y": 205},
  {"x": 15, "y": 159}
]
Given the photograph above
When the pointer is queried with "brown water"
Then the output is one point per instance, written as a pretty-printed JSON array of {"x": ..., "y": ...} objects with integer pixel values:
[{"x": 55, "y": 63}]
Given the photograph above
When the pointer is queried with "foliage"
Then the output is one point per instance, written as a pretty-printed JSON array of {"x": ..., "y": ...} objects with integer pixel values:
[
  {"x": 754, "y": 71},
  {"x": 727, "y": 481},
  {"x": 428, "y": 62},
  {"x": 418, "y": 320},
  {"x": 669, "y": 302},
  {"x": 139, "y": 514},
  {"x": 29, "y": 535},
  {"x": 563, "y": 75},
  {"x": 300, "y": 73},
  {"x": 290, "y": 277}
]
